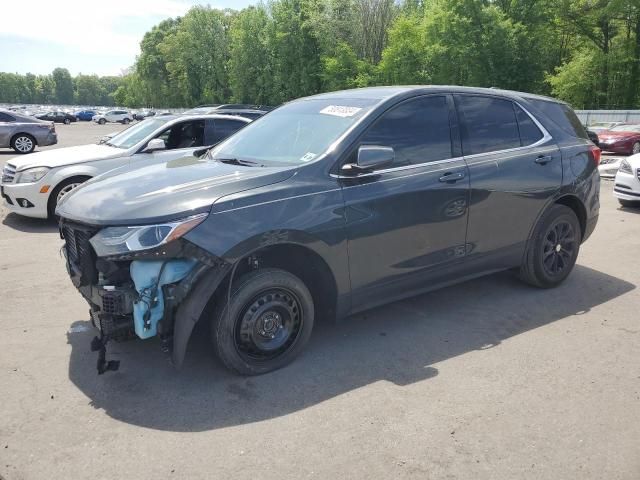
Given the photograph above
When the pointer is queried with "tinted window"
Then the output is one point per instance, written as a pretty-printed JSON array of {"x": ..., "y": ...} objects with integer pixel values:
[
  {"x": 489, "y": 124},
  {"x": 4, "y": 117},
  {"x": 225, "y": 128},
  {"x": 529, "y": 131},
  {"x": 562, "y": 115},
  {"x": 184, "y": 135},
  {"x": 418, "y": 130}
]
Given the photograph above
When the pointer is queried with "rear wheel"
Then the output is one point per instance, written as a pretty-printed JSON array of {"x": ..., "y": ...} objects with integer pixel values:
[
  {"x": 266, "y": 323},
  {"x": 23, "y": 143},
  {"x": 126, "y": 121},
  {"x": 67, "y": 121},
  {"x": 553, "y": 250},
  {"x": 635, "y": 148},
  {"x": 102, "y": 121},
  {"x": 62, "y": 189}
]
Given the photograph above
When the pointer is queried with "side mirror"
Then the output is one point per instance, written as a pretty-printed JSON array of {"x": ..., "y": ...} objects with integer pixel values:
[
  {"x": 154, "y": 145},
  {"x": 370, "y": 157}
]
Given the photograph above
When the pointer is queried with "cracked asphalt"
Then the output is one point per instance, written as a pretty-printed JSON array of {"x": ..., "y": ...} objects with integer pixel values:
[{"x": 490, "y": 379}]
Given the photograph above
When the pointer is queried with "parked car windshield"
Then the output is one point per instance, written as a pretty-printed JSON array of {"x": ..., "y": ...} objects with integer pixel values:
[
  {"x": 626, "y": 128},
  {"x": 132, "y": 135},
  {"x": 298, "y": 132}
]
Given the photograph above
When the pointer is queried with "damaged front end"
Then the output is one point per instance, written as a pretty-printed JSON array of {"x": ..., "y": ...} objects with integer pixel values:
[{"x": 138, "y": 282}]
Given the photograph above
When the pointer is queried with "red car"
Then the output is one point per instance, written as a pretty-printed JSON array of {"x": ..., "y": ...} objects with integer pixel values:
[{"x": 621, "y": 139}]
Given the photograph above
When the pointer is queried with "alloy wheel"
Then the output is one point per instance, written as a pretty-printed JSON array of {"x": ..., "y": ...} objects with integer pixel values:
[
  {"x": 23, "y": 144},
  {"x": 636, "y": 148},
  {"x": 65, "y": 190},
  {"x": 559, "y": 248}
]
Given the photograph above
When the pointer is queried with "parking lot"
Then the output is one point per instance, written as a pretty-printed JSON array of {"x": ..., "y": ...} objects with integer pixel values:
[{"x": 490, "y": 379}]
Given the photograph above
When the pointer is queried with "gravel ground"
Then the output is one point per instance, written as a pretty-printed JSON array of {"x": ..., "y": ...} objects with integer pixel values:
[{"x": 489, "y": 379}]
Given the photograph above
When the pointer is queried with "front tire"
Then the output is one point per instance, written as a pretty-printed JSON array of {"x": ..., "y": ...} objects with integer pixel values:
[
  {"x": 62, "y": 189},
  {"x": 23, "y": 143},
  {"x": 102, "y": 121},
  {"x": 126, "y": 121},
  {"x": 635, "y": 148},
  {"x": 67, "y": 121},
  {"x": 553, "y": 250},
  {"x": 266, "y": 323}
]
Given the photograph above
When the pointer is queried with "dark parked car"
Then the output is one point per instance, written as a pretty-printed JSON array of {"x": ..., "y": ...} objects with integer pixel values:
[
  {"x": 57, "y": 117},
  {"x": 621, "y": 139},
  {"x": 331, "y": 205},
  {"x": 593, "y": 136},
  {"x": 23, "y": 133},
  {"x": 142, "y": 114},
  {"x": 85, "y": 115},
  {"x": 251, "y": 112}
]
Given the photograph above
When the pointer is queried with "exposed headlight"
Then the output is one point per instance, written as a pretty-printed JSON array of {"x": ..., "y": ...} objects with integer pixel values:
[
  {"x": 31, "y": 175},
  {"x": 625, "y": 167},
  {"x": 121, "y": 240}
]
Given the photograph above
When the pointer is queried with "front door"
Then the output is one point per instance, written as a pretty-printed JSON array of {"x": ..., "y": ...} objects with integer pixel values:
[
  {"x": 180, "y": 139},
  {"x": 406, "y": 223}
]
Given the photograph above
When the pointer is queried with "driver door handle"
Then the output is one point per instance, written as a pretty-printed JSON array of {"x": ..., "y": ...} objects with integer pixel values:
[{"x": 451, "y": 177}]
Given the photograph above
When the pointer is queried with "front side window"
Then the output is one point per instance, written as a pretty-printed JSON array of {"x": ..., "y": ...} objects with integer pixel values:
[
  {"x": 418, "y": 130},
  {"x": 184, "y": 135},
  {"x": 133, "y": 135},
  {"x": 488, "y": 124}
]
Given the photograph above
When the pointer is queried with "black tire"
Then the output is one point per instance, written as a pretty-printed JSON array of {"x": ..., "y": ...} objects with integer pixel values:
[
  {"x": 635, "y": 148},
  {"x": 23, "y": 143},
  {"x": 628, "y": 203},
  {"x": 67, "y": 121},
  {"x": 126, "y": 121},
  {"x": 102, "y": 121},
  {"x": 266, "y": 323},
  {"x": 553, "y": 249},
  {"x": 53, "y": 198}
]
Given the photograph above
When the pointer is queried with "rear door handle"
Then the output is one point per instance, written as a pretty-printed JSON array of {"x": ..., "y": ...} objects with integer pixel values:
[
  {"x": 451, "y": 177},
  {"x": 543, "y": 159}
]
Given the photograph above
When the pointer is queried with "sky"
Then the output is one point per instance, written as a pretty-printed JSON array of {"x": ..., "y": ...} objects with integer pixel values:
[{"x": 84, "y": 36}]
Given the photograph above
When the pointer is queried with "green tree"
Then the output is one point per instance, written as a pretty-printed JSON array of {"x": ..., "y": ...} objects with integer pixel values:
[{"x": 63, "y": 86}]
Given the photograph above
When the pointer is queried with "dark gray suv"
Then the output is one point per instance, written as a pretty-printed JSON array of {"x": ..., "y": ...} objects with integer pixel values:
[{"x": 328, "y": 206}]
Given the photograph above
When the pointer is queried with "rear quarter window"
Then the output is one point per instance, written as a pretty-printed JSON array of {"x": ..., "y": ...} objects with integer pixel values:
[{"x": 562, "y": 115}]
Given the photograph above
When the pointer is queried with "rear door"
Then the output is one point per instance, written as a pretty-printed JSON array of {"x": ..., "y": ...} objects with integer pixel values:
[
  {"x": 514, "y": 167},
  {"x": 406, "y": 223}
]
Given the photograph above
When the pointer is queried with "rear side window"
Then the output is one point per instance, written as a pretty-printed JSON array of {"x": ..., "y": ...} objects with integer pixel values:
[
  {"x": 418, "y": 130},
  {"x": 562, "y": 115},
  {"x": 488, "y": 124},
  {"x": 5, "y": 117},
  {"x": 225, "y": 128},
  {"x": 529, "y": 131}
]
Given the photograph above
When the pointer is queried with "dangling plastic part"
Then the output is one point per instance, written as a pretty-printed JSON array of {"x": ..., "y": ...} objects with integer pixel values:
[{"x": 99, "y": 344}]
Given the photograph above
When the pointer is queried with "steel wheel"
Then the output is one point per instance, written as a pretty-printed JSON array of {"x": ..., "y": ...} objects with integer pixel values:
[
  {"x": 558, "y": 248},
  {"x": 269, "y": 324},
  {"x": 23, "y": 144},
  {"x": 65, "y": 190},
  {"x": 635, "y": 148}
]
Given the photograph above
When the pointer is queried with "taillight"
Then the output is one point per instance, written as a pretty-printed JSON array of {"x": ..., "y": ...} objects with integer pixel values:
[{"x": 595, "y": 154}]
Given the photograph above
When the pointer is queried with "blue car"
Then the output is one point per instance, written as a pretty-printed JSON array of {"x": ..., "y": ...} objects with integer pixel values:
[{"x": 85, "y": 115}]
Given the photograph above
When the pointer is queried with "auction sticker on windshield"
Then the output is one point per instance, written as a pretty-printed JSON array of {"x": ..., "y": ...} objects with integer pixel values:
[{"x": 340, "y": 110}]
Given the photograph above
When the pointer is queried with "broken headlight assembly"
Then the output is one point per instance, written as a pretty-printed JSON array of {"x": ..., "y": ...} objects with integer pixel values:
[{"x": 113, "y": 241}]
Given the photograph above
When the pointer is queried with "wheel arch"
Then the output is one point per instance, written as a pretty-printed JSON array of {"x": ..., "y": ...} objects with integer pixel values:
[
  {"x": 54, "y": 189},
  {"x": 575, "y": 204},
  {"x": 17, "y": 134}
]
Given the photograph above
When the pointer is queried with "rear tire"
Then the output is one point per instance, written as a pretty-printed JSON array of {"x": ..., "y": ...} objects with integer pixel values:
[
  {"x": 635, "y": 148},
  {"x": 67, "y": 121},
  {"x": 266, "y": 323},
  {"x": 23, "y": 143},
  {"x": 628, "y": 203},
  {"x": 126, "y": 121},
  {"x": 102, "y": 121},
  {"x": 553, "y": 250}
]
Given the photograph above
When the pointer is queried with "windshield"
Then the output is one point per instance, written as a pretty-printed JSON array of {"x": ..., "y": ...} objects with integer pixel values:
[
  {"x": 626, "y": 128},
  {"x": 132, "y": 135},
  {"x": 295, "y": 133}
]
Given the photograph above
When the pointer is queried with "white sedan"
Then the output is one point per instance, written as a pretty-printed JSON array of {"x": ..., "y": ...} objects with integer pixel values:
[
  {"x": 627, "y": 183},
  {"x": 34, "y": 184},
  {"x": 609, "y": 166}
]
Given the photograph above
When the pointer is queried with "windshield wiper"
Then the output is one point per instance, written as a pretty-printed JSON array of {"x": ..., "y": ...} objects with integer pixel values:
[{"x": 237, "y": 161}]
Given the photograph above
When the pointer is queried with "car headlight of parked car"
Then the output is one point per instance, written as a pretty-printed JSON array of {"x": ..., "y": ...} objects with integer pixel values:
[
  {"x": 31, "y": 175},
  {"x": 625, "y": 167},
  {"x": 122, "y": 240}
]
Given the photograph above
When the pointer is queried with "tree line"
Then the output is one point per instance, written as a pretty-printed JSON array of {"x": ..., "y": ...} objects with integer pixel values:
[
  {"x": 586, "y": 52},
  {"x": 59, "y": 88}
]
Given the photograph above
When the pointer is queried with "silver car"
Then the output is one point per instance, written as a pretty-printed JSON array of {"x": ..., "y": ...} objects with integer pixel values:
[{"x": 23, "y": 133}]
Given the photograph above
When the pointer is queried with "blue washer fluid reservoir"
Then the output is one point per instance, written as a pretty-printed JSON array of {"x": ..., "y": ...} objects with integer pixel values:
[{"x": 150, "y": 303}]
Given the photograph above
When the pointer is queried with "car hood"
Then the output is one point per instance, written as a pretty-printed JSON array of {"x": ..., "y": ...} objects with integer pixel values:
[
  {"x": 609, "y": 135},
  {"x": 66, "y": 156},
  {"x": 179, "y": 188}
]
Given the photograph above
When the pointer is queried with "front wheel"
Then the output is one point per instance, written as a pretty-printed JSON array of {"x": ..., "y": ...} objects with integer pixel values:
[
  {"x": 64, "y": 188},
  {"x": 635, "y": 148},
  {"x": 266, "y": 323},
  {"x": 553, "y": 250},
  {"x": 102, "y": 121},
  {"x": 67, "y": 121},
  {"x": 126, "y": 121}
]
